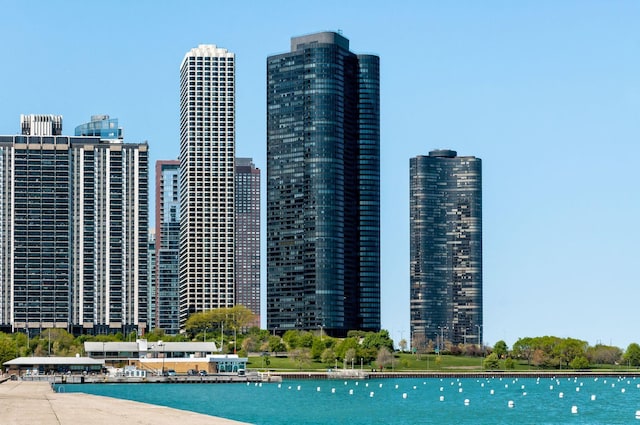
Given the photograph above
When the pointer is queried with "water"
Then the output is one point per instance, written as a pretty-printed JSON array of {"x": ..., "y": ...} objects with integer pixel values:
[{"x": 603, "y": 400}]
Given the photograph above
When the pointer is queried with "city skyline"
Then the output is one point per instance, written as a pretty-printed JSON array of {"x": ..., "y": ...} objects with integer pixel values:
[{"x": 546, "y": 94}]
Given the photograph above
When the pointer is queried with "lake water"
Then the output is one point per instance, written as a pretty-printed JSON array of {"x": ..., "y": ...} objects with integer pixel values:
[{"x": 603, "y": 400}]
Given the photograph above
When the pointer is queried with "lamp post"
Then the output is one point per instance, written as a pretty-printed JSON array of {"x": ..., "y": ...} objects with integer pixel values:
[{"x": 442, "y": 328}]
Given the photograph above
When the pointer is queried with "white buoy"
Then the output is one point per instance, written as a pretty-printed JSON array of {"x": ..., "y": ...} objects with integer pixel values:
[
  {"x": 396, "y": 386},
  {"x": 510, "y": 404},
  {"x": 351, "y": 392},
  {"x": 289, "y": 387},
  {"x": 371, "y": 394},
  {"x": 522, "y": 387},
  {"x": 577, "y": 389},
  {"x": 593, "y": 397},
  {"x": 415, "y": 388},
  {"x": 333, "y": 390},
  {"x": 279, "y": 385},
  {"x": 637, "y": 414},
  {"x": 366, "y": 385},
  {"x": 404, "y": 395},
  {"x": 506, "y": 385},
  {"x": 299, "y": 387},
  {"x": 623, "y": 391},
  {"x": 380, "y": 386},
  {"x": 524, "y": 393},
  {"x": 441, "y": 398},
  {"x": 459, "y": 390},
  {"x": 491, "y": 392},
  {"x": 318, "y": 389},
  {"x": 574, "y": 409},
  {"x": 441, "y": 389},
  {"x": 561, "y": 395},
  {"x": 466, "y": 401}
]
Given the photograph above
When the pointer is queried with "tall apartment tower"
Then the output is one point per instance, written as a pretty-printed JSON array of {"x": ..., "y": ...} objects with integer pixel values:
[
  {"x": 207, "y": 152},
  {"x": 248, "y": 236},
  {"x": 323, "y": 187},
  {"x": 73, "y": 229},
  {"x": 446, "y": 248},
  {"x": 167, "y": 300}
]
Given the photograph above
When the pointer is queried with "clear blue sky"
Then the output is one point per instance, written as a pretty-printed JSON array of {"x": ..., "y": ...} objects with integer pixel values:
[{"x": 546, "y": 92}]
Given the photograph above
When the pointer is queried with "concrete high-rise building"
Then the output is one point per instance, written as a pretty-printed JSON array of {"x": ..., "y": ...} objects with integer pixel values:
[
  {"x": 73, "y": 230},
  {"x": 167, "y": 299},
  {"x": 151, "y": 280},
  {"x": 248, "y": 236},
  {"x": 446, "y": 248},
  {"x": 207, "y": 152},
  {"x": 323, "y": 187}
]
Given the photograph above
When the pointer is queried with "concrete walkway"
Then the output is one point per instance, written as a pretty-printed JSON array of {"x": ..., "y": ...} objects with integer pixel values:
[{"x": 36, "y": 403}]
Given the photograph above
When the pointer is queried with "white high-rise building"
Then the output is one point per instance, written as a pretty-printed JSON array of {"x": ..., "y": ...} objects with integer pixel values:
[{"x": 207, "y": 151}]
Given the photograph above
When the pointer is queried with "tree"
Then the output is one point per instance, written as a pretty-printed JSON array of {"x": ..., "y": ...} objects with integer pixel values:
[
  {"x": 509, "y": 363},
  {"x": 377, "y": 340},
  {"x": 350, "y": 355},
  {"x": 501, "y": 349},
  {"x": 301, "y": 357},
  {"x": 523, "y": 349},
  {"x": 8, "y": 348},
  {"x": 344, "y": 345},
  {"x": 632, "y": 355},
  {"x": 491, "y": 362},
  {"x": 384, "y": 358},
  {"x": 328, "y": 356},
  {"x": 276, "y": 344},
  {"x": 603, "y": 354},
  {"x": 403, "y": 345},
  {"x": 291, "y": 338},
  {"x": 579, "y": 362}
]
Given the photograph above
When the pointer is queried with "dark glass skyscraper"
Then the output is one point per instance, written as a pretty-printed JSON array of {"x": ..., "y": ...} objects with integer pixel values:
[
  {"x": 446, "y": 248},
  {"x": 323, "y": 187},
  {"x": 167, "y": 301}
]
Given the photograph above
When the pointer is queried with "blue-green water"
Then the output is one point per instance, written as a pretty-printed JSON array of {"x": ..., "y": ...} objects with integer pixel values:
[{"x": 603, "y": 400}]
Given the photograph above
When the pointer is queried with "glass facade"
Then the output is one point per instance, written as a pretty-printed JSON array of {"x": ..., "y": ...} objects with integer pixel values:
[
  {"x": 323, "y": 187},
  {"x": 446, "y": 248},
  {"x": 168, "y": 246}
]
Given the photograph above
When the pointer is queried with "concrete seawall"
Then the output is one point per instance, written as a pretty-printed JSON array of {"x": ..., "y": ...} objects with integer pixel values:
[{"x": 28, "y": 403}]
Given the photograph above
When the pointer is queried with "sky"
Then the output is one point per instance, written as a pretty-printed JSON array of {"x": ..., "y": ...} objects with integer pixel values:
[{"x": 546, "y": 93}]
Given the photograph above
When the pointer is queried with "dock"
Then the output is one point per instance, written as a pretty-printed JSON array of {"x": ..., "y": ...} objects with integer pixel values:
[{"x": 27, "y": 403}]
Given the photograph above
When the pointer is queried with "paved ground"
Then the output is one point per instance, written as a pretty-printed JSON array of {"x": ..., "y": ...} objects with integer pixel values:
[{"x": 23, "y": 403}]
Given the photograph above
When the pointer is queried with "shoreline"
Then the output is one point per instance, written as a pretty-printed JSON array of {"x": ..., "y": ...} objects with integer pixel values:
[{"x": 26, "y": 403}]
